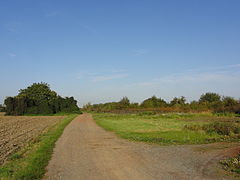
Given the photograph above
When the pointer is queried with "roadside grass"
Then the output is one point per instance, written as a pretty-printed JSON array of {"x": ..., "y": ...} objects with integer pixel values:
[
  {"x": 232, "y": 164},
  {"x": 30, "y": 162},
  {"x": 166, "y": 129}
]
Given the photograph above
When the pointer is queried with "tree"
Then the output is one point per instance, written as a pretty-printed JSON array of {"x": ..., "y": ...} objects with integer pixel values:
[
  {"x": 38, "y": 92},
  {"x": 229, "y": 101},
  {"x": 178, "y": 101},
  {"x": 39, "y": 99},
  {"x": 2, "y": 108},
  {"x": 210, "y": 98},
  {"x": 10, "y": 105},
  {"x": 153, "y": 102},
  {"x": 124, "y": 102},
  {"x": 87, "y": 106}
]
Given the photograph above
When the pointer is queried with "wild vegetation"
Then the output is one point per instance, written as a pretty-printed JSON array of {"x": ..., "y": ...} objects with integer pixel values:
[
  {"x": 173, "y": 128},
  {"x": 39, "y": 99},
  {"x": 208, "y": 102},
  {"x": 232, "y": 164},
  {"x": 2, "y": 108}
]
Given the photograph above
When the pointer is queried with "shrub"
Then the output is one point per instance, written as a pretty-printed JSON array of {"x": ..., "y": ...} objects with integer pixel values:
[
  {"x": 2, "y": 108},
  {"x": 216, "y": 127},
  {"x": 232, "y": 164},
  {"x": 39, "y": 99},
  {"x": 222, "y": 128}
]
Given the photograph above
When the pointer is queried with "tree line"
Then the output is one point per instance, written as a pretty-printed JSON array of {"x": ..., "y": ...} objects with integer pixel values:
[
  {"x": 39, "y": 99},
  {"x": 210, "y": 101}
]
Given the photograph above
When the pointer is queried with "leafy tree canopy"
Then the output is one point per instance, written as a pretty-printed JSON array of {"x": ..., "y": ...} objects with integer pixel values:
[
  {"x": 153, "y": 102},
  {"x": 38, "y": 92},
  {"x": 178, "y": 101},
  {"x": 210, "y": 98},
  {"x": 39, "y": 99},
  {"x": 124, "y": 102}
]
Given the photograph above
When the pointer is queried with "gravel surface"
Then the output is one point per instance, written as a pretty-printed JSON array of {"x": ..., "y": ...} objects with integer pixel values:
[
  {"x": 17, "y": 131},
  {"x": 86, "y": 151}
]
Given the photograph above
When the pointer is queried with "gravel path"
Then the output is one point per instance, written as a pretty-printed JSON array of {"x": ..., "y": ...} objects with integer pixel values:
[{"x": 86, "y": 151}]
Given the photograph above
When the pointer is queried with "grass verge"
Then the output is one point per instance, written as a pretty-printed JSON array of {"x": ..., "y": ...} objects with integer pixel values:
[
  {"x": 30, "y": 162},
  {"x": 232, "y": 164},
  {"x": 165, "y": 128}
]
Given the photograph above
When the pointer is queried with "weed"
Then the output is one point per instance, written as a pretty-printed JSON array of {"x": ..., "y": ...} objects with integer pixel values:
[
  {"x": 232, "y": 164},
  {"x": 227, "y": 128}
]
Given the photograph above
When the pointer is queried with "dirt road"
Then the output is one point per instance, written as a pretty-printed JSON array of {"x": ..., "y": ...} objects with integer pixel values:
[{"x": 87, "y": 152}]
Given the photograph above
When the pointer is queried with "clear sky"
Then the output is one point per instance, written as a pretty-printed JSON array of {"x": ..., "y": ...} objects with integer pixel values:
[{"x": 100, "y": 51}]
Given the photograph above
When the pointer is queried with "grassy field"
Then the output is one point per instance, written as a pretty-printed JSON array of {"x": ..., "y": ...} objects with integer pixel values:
[
  {"x": 30, "y": 162},
  {"x": 171, "y": 128}
]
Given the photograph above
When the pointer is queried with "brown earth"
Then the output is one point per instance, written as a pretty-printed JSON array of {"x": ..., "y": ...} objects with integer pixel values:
[
  {"x": 86, "y": 151},
  {"x": 17, "y": 131}
]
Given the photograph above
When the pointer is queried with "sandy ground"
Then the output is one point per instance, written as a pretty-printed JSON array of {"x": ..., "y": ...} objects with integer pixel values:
[{"x": 87, "y": 152}]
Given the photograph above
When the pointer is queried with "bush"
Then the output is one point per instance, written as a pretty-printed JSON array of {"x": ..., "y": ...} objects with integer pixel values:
[
  {"x": 232, "y": 164},
  {"x": 222, "y": 128},
  {"x": 216, "y": 127},
  {"x": 39, "y": 99},
  {"x": 2, "y": 108}
]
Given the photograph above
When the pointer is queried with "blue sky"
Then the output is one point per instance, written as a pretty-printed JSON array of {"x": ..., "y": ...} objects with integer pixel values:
[{"x": 100, "y": 51}]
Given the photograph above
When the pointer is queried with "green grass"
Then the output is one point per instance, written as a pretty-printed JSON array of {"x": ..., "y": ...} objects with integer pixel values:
[
  {"x": 30, "y": 163},
  {"x": 163, "y": 128}
]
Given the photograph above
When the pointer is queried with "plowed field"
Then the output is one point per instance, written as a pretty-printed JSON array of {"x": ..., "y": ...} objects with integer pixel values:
[{"x": 17, "y": 131}]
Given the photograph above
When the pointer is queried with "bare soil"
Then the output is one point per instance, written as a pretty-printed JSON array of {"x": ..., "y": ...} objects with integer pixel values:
[
  {"x": 86, "y": 151},
  {"x": 17, "y": 131}
]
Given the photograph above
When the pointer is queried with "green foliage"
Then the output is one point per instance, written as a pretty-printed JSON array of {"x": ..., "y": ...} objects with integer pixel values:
[
  {"x": 153, "y": 102},
  {"x": 38, "y": 92},
  {"x": 209, "y": 102},
  {"x": 39, "y": 99},
  {"x": 2, "y": 108},
  {"x": 178, "y": 101},
  {"x": 134, "y": 105},
  {"x": 124, "y": 102},
  {"x": 222, "y": 128},
  {"x": 210, "y": 98},
  {"x": 229, "y": 101}
]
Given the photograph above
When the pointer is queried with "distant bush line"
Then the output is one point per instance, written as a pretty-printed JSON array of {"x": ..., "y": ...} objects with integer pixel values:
[
  {"x": 2, "y": 108},
  {"x": 208, "y": 102},
  {"x": 39, "y": 99}
]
